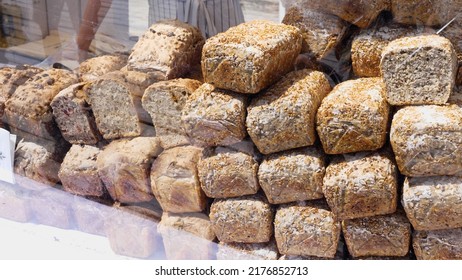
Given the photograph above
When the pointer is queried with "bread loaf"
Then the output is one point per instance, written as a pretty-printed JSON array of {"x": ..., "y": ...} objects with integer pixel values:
[
  {"x": 95, "y": 67},
  {"x": 294, "y": 175},
  {"x": 11, "y": 78},
  {"x": 358, "y": 12},
  {"x": 79, "y": 171},
  {"x": 187, "y": 236},
  {"x": 354, "y": 117},
  {"x": 124, "y": 167},
  {"x": 224, "y": 173},
  {"x": 247, "y": 251},
  {"x": 433, "y": 203},
  {"x": 283, "y": 117},
  {"x": 383, "y": 236},
  {"x": 133, "y": 234},
  {"x": 306, "y": 231},
  {"x": 361, "y": 185},
  {"x": 14, "y": 203},
  {"x": 175, "y": 182},
  {"x": 52, "y": 207},
  {"x": 164, "y": 102},
  {"x": 29, "y": 107},
  {"x": 426, "y": 140},
  {"x": 425, "y": 12},
  {"x": 214, "y": 117},
  {"x": 168, "y": 47},
  {"x": 251, "y": 56},
  {"x": 90, "y": 215},
  {"x": 419, "y": 70},
  {"x": 114, "y": 108},
  {"x": 246, "y": 219},
  {"x": 321, "y": 32},
  {"x": 74, "y": 116},
  {"x": 438, "y": 244},
  {"x": 367, "y": 47}
]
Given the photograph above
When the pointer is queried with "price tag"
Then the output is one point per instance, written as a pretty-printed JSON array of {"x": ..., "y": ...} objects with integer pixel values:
[{"x": 7, "y": 144}]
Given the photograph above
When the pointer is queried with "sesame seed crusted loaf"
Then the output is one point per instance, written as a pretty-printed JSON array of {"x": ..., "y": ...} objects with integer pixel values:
[
  {"x": 169, "y": 47},
  {"x": 251, "y": 56}
]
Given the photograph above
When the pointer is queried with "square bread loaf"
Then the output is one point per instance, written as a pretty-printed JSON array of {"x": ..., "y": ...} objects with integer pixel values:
[
  {"x": 245, "y": 219},
  {"x": 114, "y": 108},
  {"x": 321, "y": 32},
  {"x": 419, "y": 70},
  {"x": 426, "y": 140},
  {"x": 124, "y": 167},
  {"x": 95, "y": 67},
  {"x": 175, "y": 182},
  {"x": 29, "y": 108},
  {"x": 133, "y": 233},
  {"x": 79, "y": 171},
  {"x": 361, "y": 185},
  {"x": 247, "y": 251},
  {"x": 74, "y": 116},
  {"x": 425, "y": 12},
  {"x": 52, "y": 207},
  {"x": 438, "y": 244},
  {"x": 354, "y": 117},
  {"x": 251, "y": 56},
  {"x": 433, "y": 203},
  {"x": 187, "y": 236},
  {"x": 164, "y": 101},
  {"x": 11, "y": 78},
  {"x": 367, "y": 47},
  {"x": 383, "y": 236},
  {"x": 306, "y": 231},
  {"x": 224, "y": 172},
  {"x": 14, "y": 203},
  {"x": 294, "y": 175},
  {"x": 214, "y": 117},
  {"x": 358, "y": 12},
  {"x": 169, "y": 47},
  {"x": 91, "y": 215},
  {"x": 283, "y": 117}
]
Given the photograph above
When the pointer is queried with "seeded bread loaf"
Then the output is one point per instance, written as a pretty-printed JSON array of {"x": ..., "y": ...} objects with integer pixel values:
[
  {"x": 224, "y": 172},
  {"x": 170, "y": 48},
  {"x": 174, "y": 180},
  {"x": 79, "y": 171},
  {"x": 358, "y": 12},
  {"x": 187, "y": 236},
  {"x": 52, "y": 207},
  {"x": 283, "y": 117},
  {"x": 246, "y": 219},
  {"x": 11, "y": 78},
  {"x": 438, "y": 244},
  {"x": 74, "y": 116},
  {"x": 425, "y": 12},
  {"x": 251, "y": 56},
  {"x": 247, "y": 251},
  {"x": 321, "y": 32},
  {"x": 90, "y": 215},
  {"x": 361, "y": 185},
  {"x": 367, "y": 47},
  {"x": 426, "y": 140},
  {"x": 164, "y": 102},
  {"x": 124, "y": 167},
  {"x": 294, "y": 175},
  {"x": 114, "y": 108},
  {"x": 354, "y": 117},
  {"x": 433, "y": 203},
  {"x": 93, "y": 68},
  {"x": 29, "y": 107},
  {"x": 14, "y": 203},
  {"x": 419, "y": 70},
  {"x": 384, "y": 236},
  {"x": 306, "y": 231},
  {"x": 214, "y": 117}
]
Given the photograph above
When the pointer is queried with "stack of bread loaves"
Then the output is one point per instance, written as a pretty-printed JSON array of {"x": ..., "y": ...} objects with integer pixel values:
[{"x": 266, "y": 158}]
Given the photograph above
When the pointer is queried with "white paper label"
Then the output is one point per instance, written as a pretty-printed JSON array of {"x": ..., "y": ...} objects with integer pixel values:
[{"x": 7, "y": 144}]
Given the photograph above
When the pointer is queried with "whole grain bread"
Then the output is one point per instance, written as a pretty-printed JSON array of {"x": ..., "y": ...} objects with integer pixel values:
[
  {"x": 247, "y": 251},
  {"x": 438, "y": 244},
  {"x": 425, "y": 12},
  {"x": 95, "y": 67}
]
